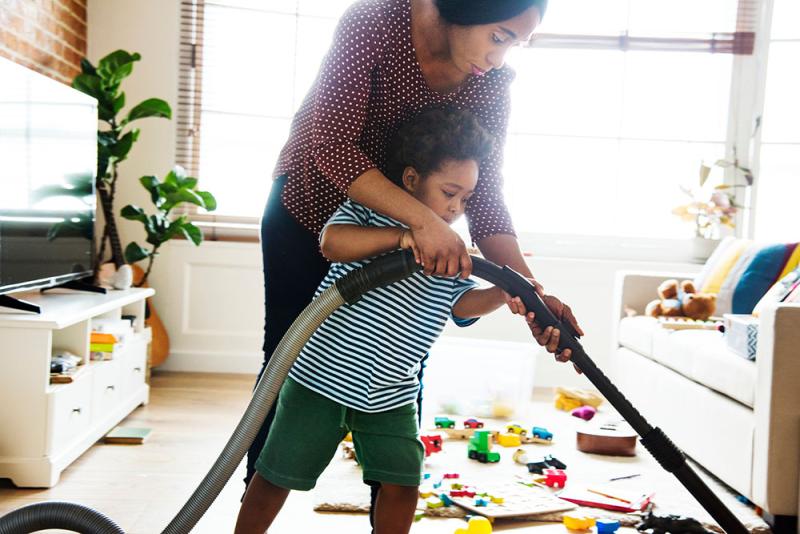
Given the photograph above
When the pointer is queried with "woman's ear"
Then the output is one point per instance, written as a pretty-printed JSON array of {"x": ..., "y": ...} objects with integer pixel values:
[{"x": 410, "y": 179}]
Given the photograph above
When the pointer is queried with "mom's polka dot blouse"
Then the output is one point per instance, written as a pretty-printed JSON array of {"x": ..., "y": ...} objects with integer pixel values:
[{"x": 369, "y": 83}]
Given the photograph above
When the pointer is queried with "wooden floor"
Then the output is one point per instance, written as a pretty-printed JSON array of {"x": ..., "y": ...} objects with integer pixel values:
[{"x": 191, "y": 415}]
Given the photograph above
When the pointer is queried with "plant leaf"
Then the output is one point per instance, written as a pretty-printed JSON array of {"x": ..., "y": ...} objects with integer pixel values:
[
  {"x": 705, "y": 170},
  {"x": 192, "y": 232},
  {"x": 134, "y": 252},
  {"x": 209, "y": 201},
  {"x": 87, "y": 67},
  {"x": 134, "y": 213},
  {"x": 152, "y": 107}
]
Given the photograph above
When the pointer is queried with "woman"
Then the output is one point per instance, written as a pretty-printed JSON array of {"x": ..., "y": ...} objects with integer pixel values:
[{"x": 389, "y": 59}]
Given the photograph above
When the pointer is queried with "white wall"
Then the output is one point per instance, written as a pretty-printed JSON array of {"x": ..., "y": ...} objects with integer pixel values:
[{"x": 210, "y": 298}]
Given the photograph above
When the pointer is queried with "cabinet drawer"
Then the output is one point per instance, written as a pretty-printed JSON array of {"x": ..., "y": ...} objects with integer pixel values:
[
  {"x": 69, "y": 412},
  {"x": 106, "y": 388},
  {"x": 134, "y": 366}
]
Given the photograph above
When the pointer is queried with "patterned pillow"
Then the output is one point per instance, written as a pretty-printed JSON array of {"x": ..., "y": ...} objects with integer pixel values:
[
  {"x": 711, "y": 262},
  {"x": 723, "y": 267},
  {"x": 781, "y": 291},
  {"x": 759, "y": 276},
  {"x": 725, "y": 294}
]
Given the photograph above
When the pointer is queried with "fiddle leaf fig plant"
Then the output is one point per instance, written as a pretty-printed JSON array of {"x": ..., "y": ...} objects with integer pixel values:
[{"x": 176, "y": 189}]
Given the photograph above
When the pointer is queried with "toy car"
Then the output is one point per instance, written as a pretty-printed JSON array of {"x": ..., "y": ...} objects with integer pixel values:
[
  {"x": 555, "y": 478},
  {"x": 515, "y": 428},
  {"x": 444, "y": 422},
  {"x": 473, "y": 423},
  {"x": 480, "y": 447},
  {"x": 541, "y": 433}
]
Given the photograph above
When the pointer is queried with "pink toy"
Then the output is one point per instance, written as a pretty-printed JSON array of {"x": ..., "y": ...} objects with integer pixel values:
[
  {"x": 451, "y": 475},
  {"x": 584, "y": 412}
]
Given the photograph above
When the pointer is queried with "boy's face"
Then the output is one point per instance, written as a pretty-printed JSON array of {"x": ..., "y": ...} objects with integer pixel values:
[{"x": 446, "y": 190}]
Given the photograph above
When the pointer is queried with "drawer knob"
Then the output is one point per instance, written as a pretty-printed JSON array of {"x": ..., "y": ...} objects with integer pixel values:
[
  {"x": 111, "y": 387},
  {"x": 76, "y": 410},
  {"x": 137, "y": 369}
]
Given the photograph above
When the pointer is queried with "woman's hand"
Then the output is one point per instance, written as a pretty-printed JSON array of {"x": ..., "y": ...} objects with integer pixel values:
[
  {"x": 442, "y": 250},
  {"x": 549, "y": 337}
]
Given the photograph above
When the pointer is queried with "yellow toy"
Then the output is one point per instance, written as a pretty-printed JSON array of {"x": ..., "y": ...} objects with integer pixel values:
[
  {"x": 568, "y": 399},
  {"x": 476, "y": 525},
  {"x": 515, "y": 428},
  {"x": 509, "y": 440},
  {"x": 580, "y": 522},
  {"x": 497, "y": 499},
  {"x": 434, "y": 502}
]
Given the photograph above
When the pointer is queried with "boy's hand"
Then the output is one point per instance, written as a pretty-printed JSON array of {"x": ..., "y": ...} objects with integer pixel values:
[
  {"x": 549, "y": 337},
  {"x": 407, "y": 241}
]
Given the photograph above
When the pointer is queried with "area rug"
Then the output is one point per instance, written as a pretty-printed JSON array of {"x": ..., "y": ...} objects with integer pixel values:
[{"x": 341, "y": 489}]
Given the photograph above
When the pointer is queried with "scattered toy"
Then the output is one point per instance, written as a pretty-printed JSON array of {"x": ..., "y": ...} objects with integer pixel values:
[
  {"x": 555, "y": 478},
  {"x": 584, "y": 412},
  {"x": 554, "y": 462},
  {"x": 578, "y": 522},
  {"x": 476, "y": 525},
  {"x": 671, "y": 523},
  {"x": 445, "y": 499},
  {"x": 481, "y": 501},
  {"x": 509, "y": 440},
  {"x": 541, "y": 433},
  {"x": 575, "y": 397},
  {"x": 432, "y": 442},
  {"x": 444, "y": 422},
  {"x": 434, "y": 502},
  {"x": 451, "y": 475},
  {"x": 520, "y": 456},
  {"x": 480, "y": 448},
  {"x": 537, "y": 467},
  {"x": 607, "y": 526},
  {"x": 515, "y": 428},
  {"x": 473, "y": 423}
]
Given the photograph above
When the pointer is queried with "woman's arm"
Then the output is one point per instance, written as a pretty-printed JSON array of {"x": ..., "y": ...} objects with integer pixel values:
[
  {"x": 479, "y": 302},
  {"x": 349, "y": 242}
]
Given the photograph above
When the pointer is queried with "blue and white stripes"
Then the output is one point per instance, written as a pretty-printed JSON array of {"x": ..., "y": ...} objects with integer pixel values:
[{"x": 367, "y": 356}]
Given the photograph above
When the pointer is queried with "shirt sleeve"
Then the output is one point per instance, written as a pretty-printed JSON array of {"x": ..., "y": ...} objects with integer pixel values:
[
  {"x": 342, "y": 94},
  {"x": 460, "y": 288},
  {"x": 348, "y": 213},
  {"x": 487, "y": 213}
]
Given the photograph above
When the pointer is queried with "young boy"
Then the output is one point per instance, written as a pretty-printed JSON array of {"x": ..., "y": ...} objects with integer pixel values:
[{"x": 358, "y": 372}]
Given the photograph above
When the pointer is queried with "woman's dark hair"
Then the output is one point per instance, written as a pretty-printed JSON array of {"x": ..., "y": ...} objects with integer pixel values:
[
  {"x": 433, "y": 136},
  {"x": 473, "y": 12}
]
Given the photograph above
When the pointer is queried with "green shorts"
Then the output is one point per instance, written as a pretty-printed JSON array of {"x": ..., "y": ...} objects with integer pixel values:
[{"x": 308, "y": 428}]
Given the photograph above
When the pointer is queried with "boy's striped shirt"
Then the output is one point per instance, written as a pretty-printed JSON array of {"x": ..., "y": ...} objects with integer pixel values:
[{"x": 367, "y": 356}]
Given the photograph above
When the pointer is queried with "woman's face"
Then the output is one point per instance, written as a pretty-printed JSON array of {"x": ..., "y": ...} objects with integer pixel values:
[
  {"x": 478, "y": 49},
  {"x": 446, "y": 190}
]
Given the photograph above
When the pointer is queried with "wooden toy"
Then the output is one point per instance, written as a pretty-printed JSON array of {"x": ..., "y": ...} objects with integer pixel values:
[
  {"x": 515, "y": 428},
  {"x": 518, "y": 501},
  {"x": 509, "y": 440},
  {"x": 606, "y": 526},
  {"x": 537, "y": 467},
  {"x": 687, "y": 323},
  {"x": 444, "y": 422},
  {"x": 584, "y": 396},
  {"x": 432, "y": 442},
  {"x": 613, "y": 439},
  {"x": 671, "y": 523},
  {"x": 434, "y": 502},
  {"x": 476, "y": 525},
  {"x": 473, "y": 423},
  {"x": 426, "y": 492},
  {"x": 541, "y": 433},
  {"x": 481, "y": 501},
  {"x": 563, "y": 402},
  {"x": 480, "y": 448},
  {"x": 496, "y": 499},
  {"x": 445, "y": 499},
  {"x": 520, "y": 456},
  {"x": 578, "y": 522},
  {"x": 451, "y": 475},
  {"x": 584, "y": 412},
  {"x": 555, "y": 478},
  {"x": 459, "y": 433},
  {"x": 554, "y": 462}
]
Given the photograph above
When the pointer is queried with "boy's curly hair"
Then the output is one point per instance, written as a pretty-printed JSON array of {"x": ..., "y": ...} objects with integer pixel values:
[{"x": 434, "y": 135}]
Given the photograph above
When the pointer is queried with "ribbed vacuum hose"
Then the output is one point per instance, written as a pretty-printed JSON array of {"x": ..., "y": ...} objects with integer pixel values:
[{"x": 55, "y": 514}]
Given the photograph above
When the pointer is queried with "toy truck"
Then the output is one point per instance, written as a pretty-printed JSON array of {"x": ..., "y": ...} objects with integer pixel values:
[{"x": 480, "y": 447}]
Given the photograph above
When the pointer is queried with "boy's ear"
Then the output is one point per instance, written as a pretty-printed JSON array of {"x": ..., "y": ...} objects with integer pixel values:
[{"x": 410, "y": 179}]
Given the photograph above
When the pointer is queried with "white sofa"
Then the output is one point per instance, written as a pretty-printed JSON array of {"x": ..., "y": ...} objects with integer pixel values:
[{"x": 737, "y": 418}]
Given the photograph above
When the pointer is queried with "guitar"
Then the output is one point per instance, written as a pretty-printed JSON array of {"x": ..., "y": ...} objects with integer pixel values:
[{"x": 159, "y": 345}]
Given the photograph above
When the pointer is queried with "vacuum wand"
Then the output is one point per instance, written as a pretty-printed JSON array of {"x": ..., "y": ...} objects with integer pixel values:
[{"x": 654, "y": 439}]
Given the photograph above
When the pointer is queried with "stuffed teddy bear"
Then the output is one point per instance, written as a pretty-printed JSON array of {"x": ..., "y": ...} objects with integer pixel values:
[{"x": 681, "y": 300}]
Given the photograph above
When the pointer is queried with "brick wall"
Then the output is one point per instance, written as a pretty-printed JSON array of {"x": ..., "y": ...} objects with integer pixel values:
[{"x": 48, "y": 36}]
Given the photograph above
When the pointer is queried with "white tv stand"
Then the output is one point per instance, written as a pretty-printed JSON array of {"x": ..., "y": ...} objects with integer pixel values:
[{"x": 44, "y": 427}]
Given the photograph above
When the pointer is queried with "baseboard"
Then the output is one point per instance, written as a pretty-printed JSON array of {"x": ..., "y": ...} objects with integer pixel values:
[{"x": 213, "y": 362}]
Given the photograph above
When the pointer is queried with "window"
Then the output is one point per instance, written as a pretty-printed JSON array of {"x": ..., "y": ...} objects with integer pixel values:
[
  {"x": 614, "y": 107},
  {"x": 778, "y": 172}
]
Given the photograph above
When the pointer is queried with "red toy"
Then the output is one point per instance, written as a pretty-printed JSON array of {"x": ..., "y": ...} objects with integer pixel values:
[
  {"x": 432, "y": 442},
  {"x": 555, "y": 478},
  {"x": 450, "y": 475},
  {"x": 473, "y": 423}
]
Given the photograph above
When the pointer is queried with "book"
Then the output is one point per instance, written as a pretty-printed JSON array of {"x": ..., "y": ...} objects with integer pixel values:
[
  {"x": 102, "y": 338},
  {"x": 127, "y": 435},
  {"x": 101, "y": 347}
]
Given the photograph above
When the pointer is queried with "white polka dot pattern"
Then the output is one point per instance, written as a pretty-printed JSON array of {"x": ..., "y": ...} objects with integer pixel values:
[{"x": 369, "y": 83}]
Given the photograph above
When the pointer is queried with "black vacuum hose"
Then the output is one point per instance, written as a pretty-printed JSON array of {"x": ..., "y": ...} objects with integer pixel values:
[{"x": 349, "y": 289}]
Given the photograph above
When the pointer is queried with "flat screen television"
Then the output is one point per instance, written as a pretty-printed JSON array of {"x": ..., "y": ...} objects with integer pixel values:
[{"x": 48, "y": 158}]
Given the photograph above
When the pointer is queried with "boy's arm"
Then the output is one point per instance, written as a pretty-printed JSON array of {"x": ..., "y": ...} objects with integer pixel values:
[
  {"x": 479, "y": 302},
  {"x": 348, "y": 242}
]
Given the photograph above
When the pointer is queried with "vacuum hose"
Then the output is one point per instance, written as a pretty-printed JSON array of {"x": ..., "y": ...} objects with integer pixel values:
[{"x": 349, "y": 289}]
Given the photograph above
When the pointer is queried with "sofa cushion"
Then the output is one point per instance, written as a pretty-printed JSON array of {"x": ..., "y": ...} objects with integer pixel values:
[
  {"x": 762, "y": 272},
  {"x": 700, "y": 355},
  {"x": 725, "y": 294},
  {"x": 636, "y": 333},
  {"x": 703, "y": 356}
]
